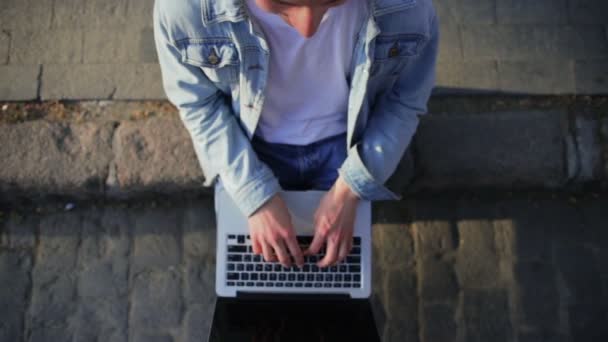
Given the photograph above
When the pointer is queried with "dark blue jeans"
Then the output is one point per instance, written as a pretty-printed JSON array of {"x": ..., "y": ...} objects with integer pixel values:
[{"x": 304, "y": 167}]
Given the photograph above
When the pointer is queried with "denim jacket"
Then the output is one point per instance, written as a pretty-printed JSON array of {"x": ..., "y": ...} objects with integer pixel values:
[{"x": 214, "y": 65}]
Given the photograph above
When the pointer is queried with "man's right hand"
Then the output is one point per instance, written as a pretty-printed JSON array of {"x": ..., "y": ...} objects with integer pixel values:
[{"x": 272, "y": 233}]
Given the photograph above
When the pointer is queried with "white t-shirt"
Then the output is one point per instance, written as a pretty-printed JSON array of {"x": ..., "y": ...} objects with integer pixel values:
[{"x": 307, "y": 91}]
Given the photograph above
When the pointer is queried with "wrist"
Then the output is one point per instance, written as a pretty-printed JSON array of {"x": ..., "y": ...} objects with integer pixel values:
[{"x": 344, "y": 191}]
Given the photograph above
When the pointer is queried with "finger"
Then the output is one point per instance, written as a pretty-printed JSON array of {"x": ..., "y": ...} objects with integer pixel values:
[
  {"x": 255, "y": 245},
  {"x": 331, "y": 252},
  {"x": 267, "y": 250},
  {"x": 279, "y": 249},
  {"x": 295, "y": 250},
  {"x": 343, "y": 250}
]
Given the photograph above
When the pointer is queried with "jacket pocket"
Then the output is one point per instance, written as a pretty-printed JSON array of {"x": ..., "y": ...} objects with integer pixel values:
[
  {"x": 392, "y": 52},
  {"x": 217, "y": 57}
]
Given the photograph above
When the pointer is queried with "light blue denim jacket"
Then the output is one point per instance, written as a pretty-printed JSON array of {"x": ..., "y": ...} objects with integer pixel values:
[{"x": 214, "y": 64}]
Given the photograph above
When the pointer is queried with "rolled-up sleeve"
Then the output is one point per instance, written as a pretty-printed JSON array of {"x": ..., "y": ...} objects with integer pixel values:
[
  {"x": 392, "y": 123},
  {"x": 221, "y": 145}
]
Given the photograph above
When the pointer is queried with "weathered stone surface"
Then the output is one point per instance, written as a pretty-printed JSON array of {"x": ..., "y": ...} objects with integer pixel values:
[
  {"x": 437, "y": 281},
  {"x": 532, "y": 12},
  {"x": 49, "y": 46},
  {"x": 20, "y": 231},
  {"x": 14, "y": 277},
  {"x": 14, "y": 12},
  {"x": 537, "y": 76},
  {"x": 397, "y": 246},
  {"x": 19, "y": 82},
  {"x": 5, "y": 41},
  {"x": 469, "y": 12},
  {"x": 520, "y": 42},
  {"x": 89, "y": 13},
  {"x": 401, "y": 306},
  {"x": 156, "y": 302},
  {"x": 464, "y": 77},
  {"x": 139, "y": 13},
  {"x": 62, "y": 158},
  {"x": 131, "y": 77},
  {"x": 439, "y": 324},
  {"x": 118, "y": 45},
  {"x": 434, "y": 237},
  {"x": 588, "y": 11},
  {"x": 579, "y": 270},
  {"x": 486, "y": 316},
  {"x": 199, "y": 232},
  {"x": 604, "y": 137},
  {"x": 156, "y": 240},
  {"x": 54, "y": 278},
  {"x": 198, "y": 323},
  {"x": 156, "y": 155},
  {"x": 200, "y": 284},
  {"x": 587, "y": 160},
  {"x": 526, "y": 149},
  {"x": 592, "y": 76},
  {"x": 145, "y": 337},
  {"x": 476, "y": 261}
]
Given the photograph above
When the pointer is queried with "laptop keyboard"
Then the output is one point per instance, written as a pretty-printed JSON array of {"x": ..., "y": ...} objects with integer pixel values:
[{"x": 244, "y": 268}]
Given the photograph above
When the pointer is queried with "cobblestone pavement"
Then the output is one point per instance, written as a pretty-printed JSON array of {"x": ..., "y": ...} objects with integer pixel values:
[
  {"x": 104, "y": 49},
  {"x": 517, "y": 267}
]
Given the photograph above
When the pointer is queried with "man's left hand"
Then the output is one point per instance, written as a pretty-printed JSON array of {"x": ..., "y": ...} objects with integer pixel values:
[{"x": 334, "y": 222}]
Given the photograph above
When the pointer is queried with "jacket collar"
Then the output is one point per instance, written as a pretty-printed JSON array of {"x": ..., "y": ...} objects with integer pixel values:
[{"x": 217, "y": 11}]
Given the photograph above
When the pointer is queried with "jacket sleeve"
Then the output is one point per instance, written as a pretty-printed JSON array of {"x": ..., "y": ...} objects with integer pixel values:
[
  {"x": 219, "y": 142},
  {"x": 392, "y": 123}
]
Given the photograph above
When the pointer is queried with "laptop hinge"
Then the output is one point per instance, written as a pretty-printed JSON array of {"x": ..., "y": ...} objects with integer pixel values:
[{"x": 291, "y": 296}]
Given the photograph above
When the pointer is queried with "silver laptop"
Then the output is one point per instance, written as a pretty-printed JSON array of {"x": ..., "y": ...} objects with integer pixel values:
[{"x": 240, "y": 273}]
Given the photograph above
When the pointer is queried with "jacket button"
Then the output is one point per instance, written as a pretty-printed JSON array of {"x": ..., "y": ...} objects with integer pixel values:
[
  {"x": 394, "y": 51},
  {"x": 213, "y": 59}
]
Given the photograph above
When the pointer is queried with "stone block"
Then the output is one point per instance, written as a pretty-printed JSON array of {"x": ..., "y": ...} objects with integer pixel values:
[
  {"x": 48, "y": 46},
  {"x": 147, "y": 337},
  {"x": 139, "y": 13},
  {"x": 532, "y": 12},
  {"x": 584, "y": 158},
  {"x": 90, "y": 81},
  {"x": 155, "y": 155},
  {"x": 470, "y": 12},
  {"x": 62, "y": 158},
  {"x": 139, "y": 81},
  {"x": 477, "y": 261},
  {"x": 21, "y": 231},
  {"x": 588, "y": 11},
  {"x": 434, "y": 237},
  {"x": 156, "y": 240},
  {"x": 591, "y": 76},
  {"x": 437, "y": 281},
  {"x": 19, "y": 82},
  {"x": 119, "y": 45},
  {"x": 504, "y": 149},
  {"x": 486, "y": 316},
  {"x": 198, "y": 323},
  {"x": 450, "y": 47},
  {"x": 580, "y": 273},
  {"x": 15, "y": 268},
  {"x": 89, "y": 13},
  {"x": 402, "y": 303},
  {"x": 465, "y": 76},
  {"x": 438, "y": 323},
  {"x": 156, "y": 303},
  {"x": 14, "y": 13},
  {"x": 538, "y": 297},
  {"x": 522, "y": 42},
  {"x": 604, "y": 138},
  {"x": 199, "y": 287},
  {"x": 199, "y": 231},
  {"x": 5, "y": 40},
  {"x": 397, "y": 246},
  {"x": 536, "y": 76}
]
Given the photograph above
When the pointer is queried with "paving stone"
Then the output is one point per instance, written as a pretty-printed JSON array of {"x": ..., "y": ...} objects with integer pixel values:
[
  {"x": 476, "y": 261},
  {"x": 54, "y": 278},
  {"x": 588, "y": 322},
  {"x": 156, "y": 155},
  {"x": 199, "y": 231},
  {"x": 103, "y": 289},
  {"x": 521, "y": 42},
  {"x": 541, "y": 336},
  {"x": 119, "y": 45},
  {"x": 19, "y": 82},
  {"x": 156, "y": 302},
  {"x": 131, "y": 78},
  {"x": 62, "y": 158},
  {"x": 13, "y": 13},
  {"x": 15, "y": 268},
  {"x": 48, "y": 46},
  {"x": 439, "y": 323},
  {"x": 5, "y": 41},
  {"x": 145, "y": 337},
  {"x": 580, "y": 273},
  {"x": 469, "y": 12},
  {"x": 588, "y": 11},
  {"x": 401, "y": 305},
  {"x": 538, "y": 296},
  {"x": 378, "y": 298},
  {"x": 139, "y": 13},
  {"x": 156, "y": 240},
  {"x": 588, "y": 147},
  {"x": 434, "y": 237},
  {"x": 199, "y": 287},
  {"x": 591, "y": 76},
  {"x": 198, "y": 322},
  {"x": 486, "y": 315},
  {"x": 532, "y": 12},
  {"x": 450, "y": 47},
  {"x": 437, "y": 281},
  {"x": 94, "y": 81},
  {"x": 466, "y": 76},
  {"x": 526, "y": 150},
  {"x": 397, "y": 246},
  {"x": 89, "y": 13},
  {"x": 537, "y": 76},
  {"x": 604, "y": 138},
  {"x": 21, "y": 231}
]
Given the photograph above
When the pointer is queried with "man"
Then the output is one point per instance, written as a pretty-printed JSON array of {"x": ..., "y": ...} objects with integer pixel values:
[{"x": 272, "y": 91}]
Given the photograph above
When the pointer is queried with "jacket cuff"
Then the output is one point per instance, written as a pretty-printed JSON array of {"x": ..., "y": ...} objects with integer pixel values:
[
  {"x": 255, "y": 193},
  {"x": 360, "y": 180}
]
